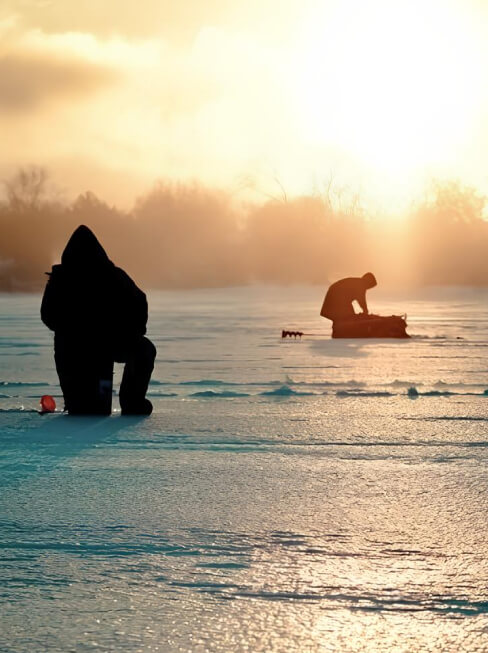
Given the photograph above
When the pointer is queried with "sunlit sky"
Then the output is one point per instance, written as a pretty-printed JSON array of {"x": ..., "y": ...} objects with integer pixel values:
[{"x": 383, "y": 95}]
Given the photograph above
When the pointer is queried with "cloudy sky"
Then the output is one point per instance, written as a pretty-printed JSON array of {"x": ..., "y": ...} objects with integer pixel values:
[{"x": 112, "y": 95}]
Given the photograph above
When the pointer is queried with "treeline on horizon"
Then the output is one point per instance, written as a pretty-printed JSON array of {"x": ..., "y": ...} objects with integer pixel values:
[{"x": 185, "y": 235}]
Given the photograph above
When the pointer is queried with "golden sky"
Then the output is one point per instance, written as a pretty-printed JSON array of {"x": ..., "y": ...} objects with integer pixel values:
[{"x": 381, "y": 94}]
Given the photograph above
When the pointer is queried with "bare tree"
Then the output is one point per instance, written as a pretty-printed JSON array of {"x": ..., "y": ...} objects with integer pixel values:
[{"x": 27, "y": 188}]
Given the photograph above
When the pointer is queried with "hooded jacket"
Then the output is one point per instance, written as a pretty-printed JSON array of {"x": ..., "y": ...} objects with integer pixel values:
[
  {"x": 88, "y": 298},
  {"x": 340, "y": 296}
]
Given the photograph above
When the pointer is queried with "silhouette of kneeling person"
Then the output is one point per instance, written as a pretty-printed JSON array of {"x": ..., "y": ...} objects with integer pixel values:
[
  {"x": 338, "y": 302},
  {"x": 99, "y": 317}
]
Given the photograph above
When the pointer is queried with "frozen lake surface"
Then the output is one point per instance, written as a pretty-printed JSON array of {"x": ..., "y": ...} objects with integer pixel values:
[{"x": 313, "y": 495}]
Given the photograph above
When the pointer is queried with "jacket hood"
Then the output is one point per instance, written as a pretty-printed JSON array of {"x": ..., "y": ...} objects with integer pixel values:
[
  {"x": 83, "y": 250},
  {"x": 369, "y": 280}
]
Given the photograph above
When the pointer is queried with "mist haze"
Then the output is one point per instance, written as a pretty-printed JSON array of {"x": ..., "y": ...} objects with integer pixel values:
[
  {"x": 186, "y": 235},
  {"x": 290, "y": 150}
]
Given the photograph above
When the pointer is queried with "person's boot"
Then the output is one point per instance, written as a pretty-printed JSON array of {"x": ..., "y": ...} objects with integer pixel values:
[{"x": 144, "y": 408}]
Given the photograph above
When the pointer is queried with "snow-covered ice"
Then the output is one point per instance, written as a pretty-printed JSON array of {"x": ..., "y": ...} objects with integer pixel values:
[{"x": 308, "y": 495}]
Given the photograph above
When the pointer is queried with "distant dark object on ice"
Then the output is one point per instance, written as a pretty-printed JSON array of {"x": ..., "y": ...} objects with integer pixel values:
[
  {"x": 346, "y": 323},
  {"x": 291, "y": 334},
  {"x": 371, "y": 326}
]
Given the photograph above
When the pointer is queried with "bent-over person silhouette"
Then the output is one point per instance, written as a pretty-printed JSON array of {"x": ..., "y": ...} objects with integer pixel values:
[
  {"x": 338, "y": 302},
  {"x": 346, "y": 323}
]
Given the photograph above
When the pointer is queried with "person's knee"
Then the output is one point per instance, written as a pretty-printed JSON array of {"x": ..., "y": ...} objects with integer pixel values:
[
  {"x": 148, "y": 350},
  {"x": 141, "y": 349}
]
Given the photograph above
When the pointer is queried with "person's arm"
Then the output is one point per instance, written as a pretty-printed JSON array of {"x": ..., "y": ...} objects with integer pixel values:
[
  {"x": 135, "y": 306},
  {"x": 140, "y": 310},
  {"x": 51, "y": 302},
  {"x": 361, "y": 300}
]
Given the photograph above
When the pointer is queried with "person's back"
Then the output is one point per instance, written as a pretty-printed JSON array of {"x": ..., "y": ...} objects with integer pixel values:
[
  {"x": 97, "y": 313},
  {"x": 338, "y": 302}
]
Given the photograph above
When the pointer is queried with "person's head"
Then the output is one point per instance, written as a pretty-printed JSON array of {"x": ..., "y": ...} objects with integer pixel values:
[
  {"x": 369, "y": 280},
  {"x": 83, "y": 250}
]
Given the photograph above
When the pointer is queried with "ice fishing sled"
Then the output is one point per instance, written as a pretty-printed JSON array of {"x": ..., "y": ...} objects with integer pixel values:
[{"x": 371, "y": 326}]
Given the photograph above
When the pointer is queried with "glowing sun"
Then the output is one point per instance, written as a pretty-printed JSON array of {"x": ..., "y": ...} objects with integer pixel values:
[{"x": 394, "y": 84}]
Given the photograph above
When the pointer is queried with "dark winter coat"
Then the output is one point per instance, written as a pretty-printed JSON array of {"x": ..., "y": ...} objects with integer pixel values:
[
  {"x": 340, "y": 296},
  {"x": 88, "y": 299}
]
